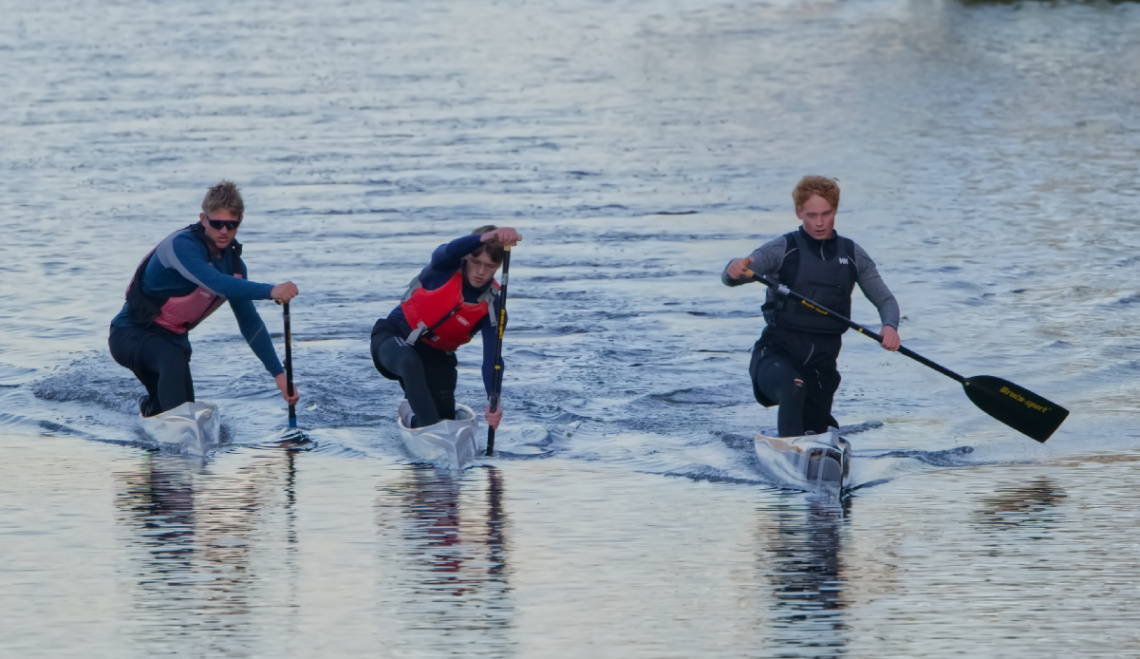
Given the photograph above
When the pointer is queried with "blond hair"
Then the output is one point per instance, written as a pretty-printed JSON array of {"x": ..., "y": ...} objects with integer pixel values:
[{"x": 224, "y": 195}]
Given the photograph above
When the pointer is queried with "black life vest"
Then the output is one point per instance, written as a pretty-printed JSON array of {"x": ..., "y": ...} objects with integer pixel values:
[
  {"x": 178, "y": 314},
  {"x": 826, "y": 279}
]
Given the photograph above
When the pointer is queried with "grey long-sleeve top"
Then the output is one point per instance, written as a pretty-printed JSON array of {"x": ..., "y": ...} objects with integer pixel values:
[{"x": 767, "y": 259}]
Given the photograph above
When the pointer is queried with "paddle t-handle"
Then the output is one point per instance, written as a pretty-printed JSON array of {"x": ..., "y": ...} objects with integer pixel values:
[{"x": 1013, "y": 405}]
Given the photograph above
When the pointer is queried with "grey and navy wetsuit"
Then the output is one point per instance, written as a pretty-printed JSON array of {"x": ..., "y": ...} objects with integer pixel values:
[
  {"x": 159, "y": 358},
  {"x": 801, "y": 345},
  {"x": 429, "y": 376}
]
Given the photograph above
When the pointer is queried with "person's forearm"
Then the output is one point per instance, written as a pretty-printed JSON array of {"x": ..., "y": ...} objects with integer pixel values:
[
  {"x": 490, "y": 339},
  {"x": 449, "y": 256},
  {"x": 187, "y": 256},
  {"x": 256, "y": 335},
  {"x": 766, "y": 260}
]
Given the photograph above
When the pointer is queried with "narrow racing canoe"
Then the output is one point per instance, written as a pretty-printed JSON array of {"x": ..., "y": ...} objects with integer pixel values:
[
  {"x": 812, "y": 462},
  {"x": 452, "y": 444},
  {"x": 192, "y": 428}
]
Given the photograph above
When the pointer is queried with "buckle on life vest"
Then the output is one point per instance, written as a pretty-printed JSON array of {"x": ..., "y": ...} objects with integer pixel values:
[{"x": 420, "y": 329}]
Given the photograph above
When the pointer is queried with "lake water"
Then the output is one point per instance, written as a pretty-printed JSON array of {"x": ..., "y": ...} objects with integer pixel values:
[{"x": 987, "y": 154}]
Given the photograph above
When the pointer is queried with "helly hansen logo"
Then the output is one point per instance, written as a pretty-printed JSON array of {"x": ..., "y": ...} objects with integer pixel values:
[{"x": 843, "y": 260}]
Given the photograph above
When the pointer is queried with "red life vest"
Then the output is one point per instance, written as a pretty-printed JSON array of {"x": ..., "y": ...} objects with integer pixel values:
[
  {"x": 441, "y": 316},
  {"x": 176, "y": 314}
]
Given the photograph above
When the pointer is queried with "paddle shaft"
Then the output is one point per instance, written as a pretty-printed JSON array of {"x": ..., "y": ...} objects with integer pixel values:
[
  {"x": 497, "y": 378},
  {"x": 289, "y": 366},
  {"x": 1007, "y": 402},
  {"x": 785, "y": 291}
]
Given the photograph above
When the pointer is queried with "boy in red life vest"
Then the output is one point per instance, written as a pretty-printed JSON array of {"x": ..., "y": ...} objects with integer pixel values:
[
  {"x": 191, "y": 273},
  {"x": 454, "y": 298}
]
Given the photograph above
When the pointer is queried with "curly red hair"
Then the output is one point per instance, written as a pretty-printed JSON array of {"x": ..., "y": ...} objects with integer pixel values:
[{"x": 811, "y": 186}]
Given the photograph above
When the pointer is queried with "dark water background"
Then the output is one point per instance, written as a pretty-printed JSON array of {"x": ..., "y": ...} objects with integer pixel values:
[{"x": 987, "y": 154}]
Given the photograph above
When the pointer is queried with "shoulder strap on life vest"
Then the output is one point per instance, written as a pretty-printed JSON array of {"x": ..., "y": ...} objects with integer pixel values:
[
  {"x": 791, "y": 263},
  {"x": 142, "y": 308}
]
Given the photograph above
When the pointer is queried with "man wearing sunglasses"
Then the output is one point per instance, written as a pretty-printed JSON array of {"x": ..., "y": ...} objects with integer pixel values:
[{"x": 178, "y": 284}]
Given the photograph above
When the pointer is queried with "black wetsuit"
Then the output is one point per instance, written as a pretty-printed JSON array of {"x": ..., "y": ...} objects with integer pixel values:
[
  {"x": 794, "y": 361},
  {"x": 160, "y": 358}
]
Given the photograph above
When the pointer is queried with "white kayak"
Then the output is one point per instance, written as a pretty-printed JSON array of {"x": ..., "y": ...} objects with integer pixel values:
[
  {"x": 450, "y": 443},
  {"x": 192, "y": 428},
  {"x": 819, "y": 462}
]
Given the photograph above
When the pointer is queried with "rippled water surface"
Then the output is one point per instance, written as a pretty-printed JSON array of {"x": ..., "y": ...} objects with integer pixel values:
[{"x": 987, "y": 154}]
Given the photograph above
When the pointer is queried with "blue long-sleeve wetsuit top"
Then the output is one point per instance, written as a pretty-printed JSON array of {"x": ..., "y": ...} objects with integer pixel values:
[
  {"x": 445, "y": 261},
  {"x": 180, "y": 265}
]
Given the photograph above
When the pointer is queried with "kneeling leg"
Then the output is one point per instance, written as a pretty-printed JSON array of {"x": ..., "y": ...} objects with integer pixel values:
[
  {"x": 780, "y": 381},
  {"x": 395, "y": 355}
]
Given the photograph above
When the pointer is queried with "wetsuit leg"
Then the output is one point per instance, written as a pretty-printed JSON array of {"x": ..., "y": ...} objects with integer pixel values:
[
  {"x": 774, "y": 376},
  {"x": 442, "y": 370},
  {"x": 821, "y": 394},
  {"x": 392, "y": 354},
  {"x": 162, "y": 366}
]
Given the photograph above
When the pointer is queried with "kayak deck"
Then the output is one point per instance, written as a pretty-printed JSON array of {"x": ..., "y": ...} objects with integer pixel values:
[
  {"x": 192, "y": 428},
  {"x": 451, "y": 443},
  {"x": 819, "y": 462}
]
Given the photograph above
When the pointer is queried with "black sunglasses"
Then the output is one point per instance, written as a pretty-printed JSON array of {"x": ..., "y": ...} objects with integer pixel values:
[{"x": 232, "y": 225}]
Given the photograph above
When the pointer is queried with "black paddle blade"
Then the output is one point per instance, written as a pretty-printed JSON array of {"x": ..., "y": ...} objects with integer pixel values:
[{"x": 1015, "y": 406}]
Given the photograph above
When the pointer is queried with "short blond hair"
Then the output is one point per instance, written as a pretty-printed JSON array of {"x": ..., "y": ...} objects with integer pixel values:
[
  {"x": 224, "y": 195},
  {"x": 811, "y": 186}
]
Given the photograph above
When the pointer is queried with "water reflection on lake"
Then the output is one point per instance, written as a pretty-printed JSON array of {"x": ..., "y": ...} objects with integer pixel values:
[
  {"x": 806, "y": 571},
  {"x": 445, "y": 538},
  {"x": 286, "y": 552},
  {"x": 199, "y": 539},
  {"x": 1027, "y": 507}
]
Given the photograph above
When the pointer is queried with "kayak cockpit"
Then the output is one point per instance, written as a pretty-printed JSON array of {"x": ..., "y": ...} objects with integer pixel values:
[
  {"x": 192, "y": 428},
  {"x": 451, "y": 443},
  {"x": 811, "y": 462}
]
